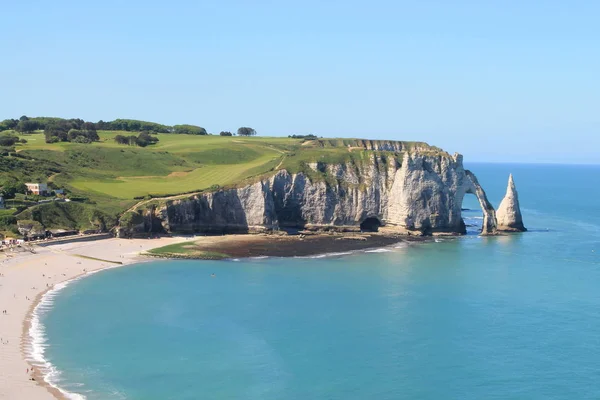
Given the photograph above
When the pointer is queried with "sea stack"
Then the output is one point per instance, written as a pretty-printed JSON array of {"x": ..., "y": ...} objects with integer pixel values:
[{"x": 509, "y": 213}]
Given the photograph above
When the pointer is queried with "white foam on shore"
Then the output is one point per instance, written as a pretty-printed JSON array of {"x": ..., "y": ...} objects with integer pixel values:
[
  {"x": 38, "y": 341},
  {"x": 325, "y": 255},
  {"x": 381, "y": 250},
  {"x": 36, "y": 348}
]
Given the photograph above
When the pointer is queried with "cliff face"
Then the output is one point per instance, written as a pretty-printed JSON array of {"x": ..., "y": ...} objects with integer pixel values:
[
  {"x": 509, "y": 211},
  {"x": 411, "y": 192}
]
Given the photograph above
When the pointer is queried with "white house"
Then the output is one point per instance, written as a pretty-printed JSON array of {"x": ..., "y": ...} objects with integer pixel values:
[{"x": 37, "y": 188}]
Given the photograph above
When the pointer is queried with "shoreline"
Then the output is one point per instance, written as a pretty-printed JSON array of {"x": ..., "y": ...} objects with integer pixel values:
[
  {"x": 26, "y": 280},
  {"x": 87, "y": 258},
  {"x": 27, "y": 348}
]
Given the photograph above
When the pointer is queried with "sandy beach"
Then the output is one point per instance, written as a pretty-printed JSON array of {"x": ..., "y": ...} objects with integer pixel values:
[{"x": 25, "y": 277}]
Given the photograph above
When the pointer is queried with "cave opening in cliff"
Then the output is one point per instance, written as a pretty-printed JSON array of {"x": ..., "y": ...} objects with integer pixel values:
[{"x": 370, "y": 224}]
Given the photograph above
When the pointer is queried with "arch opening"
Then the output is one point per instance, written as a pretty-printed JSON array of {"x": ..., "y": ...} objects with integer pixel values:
[
  {"x": 488, "y": 220},
  {"x": 370, "y": 224},
  {"x": 471, "y": 215}
]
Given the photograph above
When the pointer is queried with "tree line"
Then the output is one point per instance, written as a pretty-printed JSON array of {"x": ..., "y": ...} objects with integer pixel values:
[{"x": 59, "y": 127}]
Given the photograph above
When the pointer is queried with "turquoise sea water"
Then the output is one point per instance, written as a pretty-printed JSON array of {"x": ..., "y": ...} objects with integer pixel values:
[{"x": 513, "y": 317}]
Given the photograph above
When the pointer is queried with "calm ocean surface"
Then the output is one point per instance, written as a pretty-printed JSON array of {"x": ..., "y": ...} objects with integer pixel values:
[{"x": 513, "y": 317}]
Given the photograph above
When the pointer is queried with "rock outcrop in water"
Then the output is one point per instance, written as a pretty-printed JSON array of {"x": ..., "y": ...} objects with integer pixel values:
[
  {"x": 509, "y": 212},
  {"x": 417, "y": 192}
]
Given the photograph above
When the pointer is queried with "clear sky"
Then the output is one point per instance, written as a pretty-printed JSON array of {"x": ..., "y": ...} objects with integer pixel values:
[{"x": 495, "y": 80}]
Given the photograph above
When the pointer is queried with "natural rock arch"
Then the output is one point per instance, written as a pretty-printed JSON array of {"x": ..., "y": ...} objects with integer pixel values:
[{"x": 489, "y": 213}]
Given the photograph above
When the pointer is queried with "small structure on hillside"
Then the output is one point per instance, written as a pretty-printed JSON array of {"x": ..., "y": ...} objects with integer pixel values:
[
  {"x": 2, "y": 205},
  {"x": 39, "y": 189},
  {"x": 62, "y": 232}
]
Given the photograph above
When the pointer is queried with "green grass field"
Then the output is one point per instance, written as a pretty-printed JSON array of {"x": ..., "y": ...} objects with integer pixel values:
[
  {"x": 186, "y": 250},
  {"x": 176, "y": 164}
]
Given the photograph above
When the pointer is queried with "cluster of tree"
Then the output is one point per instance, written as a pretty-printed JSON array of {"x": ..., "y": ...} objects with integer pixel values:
[
  {"x": 245, "y": 131},
  {"x": 143, "y": 139},
  {"x": 305, "y": 137},
  {"x": 24, "y": 125},
  {"x": 9, "y": 187},
  {"x": 132, "y": 125},
  {"x": 28, "y": 125},
  {"x": 72, "y": 130},
  {"x": 10, "y": 140},
  {"x": 189, "y": 130},
  {"x": 8, "y": 124}
]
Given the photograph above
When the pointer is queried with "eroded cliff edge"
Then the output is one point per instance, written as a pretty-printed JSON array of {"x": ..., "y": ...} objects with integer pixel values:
[{"x": 410, "y": 191}]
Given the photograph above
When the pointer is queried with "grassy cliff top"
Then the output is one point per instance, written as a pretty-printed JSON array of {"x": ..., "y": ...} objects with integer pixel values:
[{"x": 113, "y": 177}]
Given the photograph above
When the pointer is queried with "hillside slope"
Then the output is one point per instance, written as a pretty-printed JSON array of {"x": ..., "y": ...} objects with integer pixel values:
[{"x": 111, "y": 177}]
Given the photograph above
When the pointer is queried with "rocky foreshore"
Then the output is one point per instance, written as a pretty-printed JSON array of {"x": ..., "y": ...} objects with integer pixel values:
[{"x": 268, "y": 245}]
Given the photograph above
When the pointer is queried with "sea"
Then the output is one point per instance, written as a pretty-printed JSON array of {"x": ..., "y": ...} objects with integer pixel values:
[{"x": 507, "y": 317}]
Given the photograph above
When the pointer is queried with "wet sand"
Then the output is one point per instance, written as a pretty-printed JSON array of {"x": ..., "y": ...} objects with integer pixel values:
[{"x": 270, "y": 245}]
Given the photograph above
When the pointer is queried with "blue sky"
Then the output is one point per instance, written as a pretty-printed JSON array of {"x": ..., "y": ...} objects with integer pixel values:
[{"x": 495, "y": 80}]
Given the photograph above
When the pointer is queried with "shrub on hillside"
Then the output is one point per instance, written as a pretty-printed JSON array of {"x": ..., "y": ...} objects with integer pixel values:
[
  {"x": 7, "y": 221},
  {"x": 143, "y": 139},
  {"x": 305, "y": 137},
  {"x": 68, "y": 216},
  {"x": 130, "y": 219},
  {"x": 8, "y": 140},
  {"x": 10, "y": 187},
  {"x": 225, "y": 133},
  {"x": 82, "y": 136},
  {"x": 76, "y": 131}
]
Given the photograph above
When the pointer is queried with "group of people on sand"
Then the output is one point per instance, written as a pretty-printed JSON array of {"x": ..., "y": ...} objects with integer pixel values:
[
  {"x": 30, "y": 371},
  {"x": 11, "y": 242}
]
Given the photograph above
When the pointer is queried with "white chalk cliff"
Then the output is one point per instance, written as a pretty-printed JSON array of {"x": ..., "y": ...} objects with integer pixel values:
[
  {"x": 509, "y": 212},
  {"x": 411, "y": 192}
]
